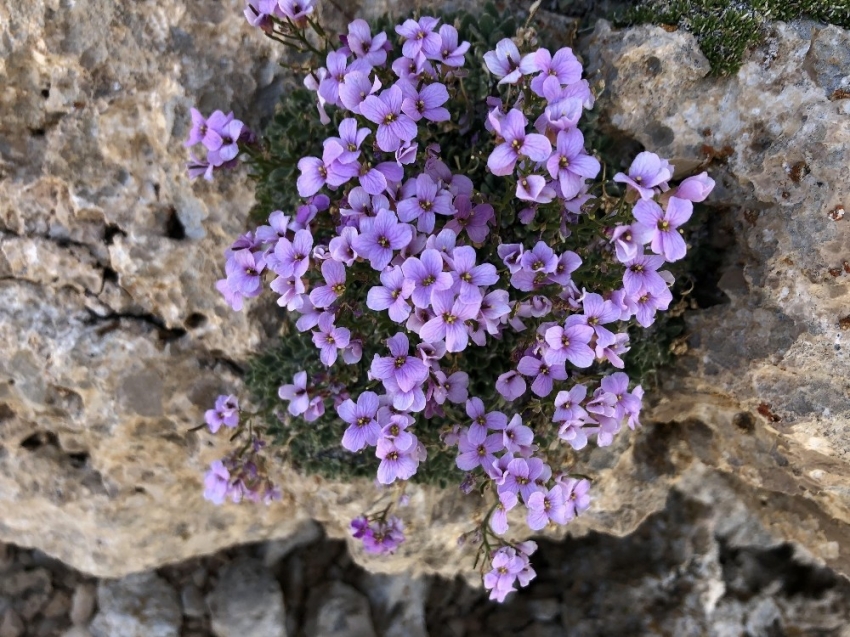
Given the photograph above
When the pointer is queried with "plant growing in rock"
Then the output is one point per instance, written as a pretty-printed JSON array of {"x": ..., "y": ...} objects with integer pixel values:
[{"x": 457, "y": 281}]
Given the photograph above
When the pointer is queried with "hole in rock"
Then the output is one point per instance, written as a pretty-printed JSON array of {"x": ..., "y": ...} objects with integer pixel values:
[
  {"x": 45, "y": 93},
  {"x": 174, "y": 228},
  {"x": 110, "y": 232},
  {"x": 79, "y": 460},
  {"x": 40, "y": 439},
  {"x": 195, "y": 320},
  {"x": 110, "y": 275}
]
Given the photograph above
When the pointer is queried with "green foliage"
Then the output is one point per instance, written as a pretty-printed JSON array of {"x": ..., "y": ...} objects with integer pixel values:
[{"x": 726, "y": 29}]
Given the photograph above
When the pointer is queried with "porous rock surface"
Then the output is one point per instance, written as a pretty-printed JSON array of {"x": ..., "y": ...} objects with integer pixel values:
[
  {"x": 115, "y": 340},
  {"x": 765, "y": 385}
]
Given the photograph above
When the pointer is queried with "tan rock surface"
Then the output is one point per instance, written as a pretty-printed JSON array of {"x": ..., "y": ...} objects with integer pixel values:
[{"x": 115, "y": 340}]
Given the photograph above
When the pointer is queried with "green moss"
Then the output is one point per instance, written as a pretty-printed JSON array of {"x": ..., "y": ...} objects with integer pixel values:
[{"x": 726, "y": 29}]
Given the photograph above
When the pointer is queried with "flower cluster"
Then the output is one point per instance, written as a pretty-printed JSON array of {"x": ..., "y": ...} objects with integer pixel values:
[
  {"x": 510, "y": 564},
  {"x": 220, "y": 136},
  {"x": 243, "y": 474},
  {"x": 399, "y": 266},
  {"x": 379, "y": 536}
]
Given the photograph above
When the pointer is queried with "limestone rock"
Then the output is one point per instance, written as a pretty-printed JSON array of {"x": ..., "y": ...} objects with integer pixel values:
[
  {"x": 115, "y": 340},
  {"x": 141, "y": 605},
  {"x": 767, "y": 370},
  {"x": 337, "y": 610},
  {"x": 247, "y": 601}
]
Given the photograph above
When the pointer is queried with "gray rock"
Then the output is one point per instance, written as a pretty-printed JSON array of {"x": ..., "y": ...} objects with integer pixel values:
[
  {"x": 29, "y": 591},
  {"x": 142, "y": 605},
  {"x": 82, "y": 603},
  {"x": 544, "y": 610},
  {"x": 247, "y": 600},
  {"x": 11, "y": 625},
  {"x": 337, "y": 610},
  {"x": 276, "y": 550},
  {"x": 398, "y": 604},
  {"x": 192, "y": 601}
]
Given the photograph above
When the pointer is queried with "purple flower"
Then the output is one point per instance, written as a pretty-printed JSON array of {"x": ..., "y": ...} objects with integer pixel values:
[
  {"x": 395, "y": 429},
  {"x": 245, "y": 272},
  {"x": 330, "y": 339},
  {"x": 644, "y": 303},
  {"x": 541, "y": 258},
  {"x": 216, "y": 483},
  {"x": 544, "y": 374},
  {"x": 569, "y": 343},
  {"x": 325, "y": 295},
  {"x": 228, "y": 147},
  {"x": 292, "y": 258},
  {"x": 510, "y": 385},
  {"x": 499, "y": 518},
  {"x": 481, "y": 422},
  {"x": 577, "y": 496},
  {"x": 340, "y": 246},
  {"x": 517, "y": 144},
  {"x": 505, "y": 62},
  {"x": 568, "y": 263},
  {"x": 695, "y": 188},
  {"x": 290, "y": 289},
  {"x": 662, "y": 225},
  {"x": 570, "y": 164},
  {"x": 511, "y": 255},
  {"x": 475, "y": 220},
  {"x": 555, "y": 71},
  {"x": 426, "y": 103},
  {"x": 470, "y": 276},
  {"x": 520, "y": 475},
  {"x": 392, "y": 295},
  {"x": 384, "y": 538},
  {"x": 628, "y": 240},
  {"x": 296, "y": 10},
  {"x": 534, "y": 188},
  {"x": 647, "y": 171},
  {"x": 516, "y": 436},
  {"x": 350, "y": 138},
  {"x": 642, "y": 272},
  {"x": 546, "y": 507},
  {"x": 475, "y": 454},
  {"x": 315, "y": 172},
  {"x": 315, "y": 409},
  {"x": 357, "y": 88},
  {"x": 363, "y": 45},
  {"x": 420, "y": 37},
  {"x": 199, "y": 128},
  {"x": 506, "y": 567},
  {"x": 406, "y": 371},
  {"x": 453, "y": 388},
  {"x": 259, "y": 13},
  {"x": 296, "y": 394},
  {"x": 616, "y": 386},
  {"x": 568, "y": 404},
  {"x": 426, "y": 273},
  {"x": 597, "y": 313},
  {"x": 423, "y": 197},
  {"x": 451, "y": 54},
  {"x": 379, "y": 236},
  {"x": 377, "y": 179},
  {"x": 449, "y": 323},
  {"x": 363, "y": 429},
  {"x": 394, "y": 126},
  {"x": 226, "y": 412},
  {"x": 396, "y": 464}
]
